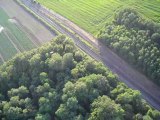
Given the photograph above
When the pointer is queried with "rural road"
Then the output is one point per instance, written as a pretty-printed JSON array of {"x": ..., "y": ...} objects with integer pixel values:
[{"x": 133, "y": 78}]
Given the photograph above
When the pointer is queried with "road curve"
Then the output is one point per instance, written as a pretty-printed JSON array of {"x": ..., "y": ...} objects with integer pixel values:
[{"x": 133, "y": 78}]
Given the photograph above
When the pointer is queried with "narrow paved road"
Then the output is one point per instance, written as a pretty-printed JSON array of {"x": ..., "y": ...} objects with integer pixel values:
[{"x": 134, "y": 79}]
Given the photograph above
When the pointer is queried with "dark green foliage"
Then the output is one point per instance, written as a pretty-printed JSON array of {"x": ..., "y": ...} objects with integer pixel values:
[
  {"x": 58, "y": 81},
  {"x": 104, "y": 108},
  {"x": 136, "y": 40},
  {"x": 156, "y": 37}
]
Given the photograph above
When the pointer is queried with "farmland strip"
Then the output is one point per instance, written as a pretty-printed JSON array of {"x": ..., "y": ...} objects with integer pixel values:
[
  {"x": 12, "y": 42},
  {"x": 33, "y": 39},
  {"x": 2, "y": 58},
  {"x": 16, "y": 41}
]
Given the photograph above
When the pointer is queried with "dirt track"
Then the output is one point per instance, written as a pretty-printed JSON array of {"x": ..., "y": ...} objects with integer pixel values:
[
  {"x": 33, "y": 29},
  {"x": 126, "y": 73}
]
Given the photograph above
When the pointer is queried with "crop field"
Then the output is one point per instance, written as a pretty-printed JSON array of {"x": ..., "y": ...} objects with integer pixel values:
[
  {"x": 12, "y": 39},
  {"x": 92, "y": 15}
]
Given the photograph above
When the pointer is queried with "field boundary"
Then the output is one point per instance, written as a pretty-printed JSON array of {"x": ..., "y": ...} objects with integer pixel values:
[
  {"x": 51, "y": 28},
  {"x": 35, "y": 41},
  {"x": 19, "y": 46},
  {"x": 70, "y": 31},
  {"x": 15, "y": 46}
]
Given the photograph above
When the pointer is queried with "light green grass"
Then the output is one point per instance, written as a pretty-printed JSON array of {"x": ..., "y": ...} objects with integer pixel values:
[
  {"x": 13, "y": 33},
  {"x": 7, "y": 50},
  {"x": 92, "y": 15}
]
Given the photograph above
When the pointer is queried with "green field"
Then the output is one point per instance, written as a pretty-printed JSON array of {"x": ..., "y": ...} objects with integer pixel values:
[
  {"x": 12, "y": 38},
  {"x": 91, "y": 15}
]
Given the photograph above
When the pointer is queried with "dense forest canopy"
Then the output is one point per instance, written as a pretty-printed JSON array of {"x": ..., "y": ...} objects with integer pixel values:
[
  {"x": 58, "y": 81},
  {"x": 135, "y": 39}
]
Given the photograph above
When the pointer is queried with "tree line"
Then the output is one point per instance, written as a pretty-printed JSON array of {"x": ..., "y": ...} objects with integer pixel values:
[
  {"x": 59, "y": 82},
  {"x": 137, "y": 40}
]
